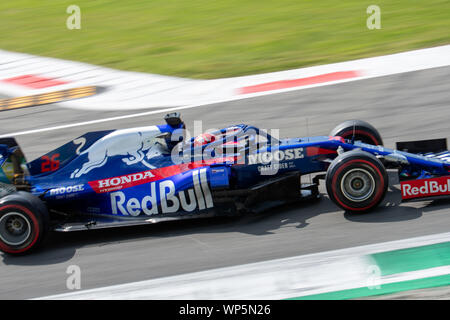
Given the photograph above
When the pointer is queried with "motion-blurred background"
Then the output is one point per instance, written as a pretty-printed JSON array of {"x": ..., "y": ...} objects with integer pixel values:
[
  {"x": 210, "y": 39},
  {"x": 406, "y": 97}
]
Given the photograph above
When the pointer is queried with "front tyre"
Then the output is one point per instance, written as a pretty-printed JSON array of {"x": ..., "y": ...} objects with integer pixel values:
[
  {"x": 359, "y": 130},
  {"x": 356, "y": 181},
  {"x": 23, "y": 223}
]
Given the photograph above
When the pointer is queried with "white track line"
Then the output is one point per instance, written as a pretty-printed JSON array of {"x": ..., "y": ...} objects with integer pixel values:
[
  {"x": 273, "y": 279},
  {"x": 128, "y": 116},
  {"x": 172, "y": 93},
  {"x": 86, "y": 123},
  {"x": 172, "y": 109}
]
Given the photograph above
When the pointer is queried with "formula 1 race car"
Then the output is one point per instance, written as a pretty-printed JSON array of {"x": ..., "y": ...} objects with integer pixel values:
[{"x": 150, "y": 174}]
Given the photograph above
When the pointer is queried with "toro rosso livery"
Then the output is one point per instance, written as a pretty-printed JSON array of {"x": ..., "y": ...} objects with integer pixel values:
[{"x": 151, "y": 174}]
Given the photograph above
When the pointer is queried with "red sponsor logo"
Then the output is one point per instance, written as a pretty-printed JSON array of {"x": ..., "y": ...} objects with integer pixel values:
[
  {"x": 138, "y": 178},
  {"x": 131, "y": 180},
  {"x": 425, "y": 188}
]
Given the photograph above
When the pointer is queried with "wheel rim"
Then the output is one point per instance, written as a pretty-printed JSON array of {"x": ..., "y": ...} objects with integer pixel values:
[
  {"x": 357, "y": 185},
  {"x": 15, "y": 229}
]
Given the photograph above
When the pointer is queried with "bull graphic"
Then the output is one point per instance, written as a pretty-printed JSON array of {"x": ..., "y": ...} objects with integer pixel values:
[{"x": 135, "y": 145}]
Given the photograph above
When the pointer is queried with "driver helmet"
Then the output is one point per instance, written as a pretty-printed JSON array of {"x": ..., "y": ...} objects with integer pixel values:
[{"x": 203, "y": 139}]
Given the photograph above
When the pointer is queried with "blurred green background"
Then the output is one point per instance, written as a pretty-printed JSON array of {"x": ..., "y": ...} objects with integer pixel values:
[{"x": 210, "y": 39}]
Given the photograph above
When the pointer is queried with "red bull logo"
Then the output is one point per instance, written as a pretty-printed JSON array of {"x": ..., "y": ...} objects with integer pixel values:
[
  {"x": 135, "y": 145},
  {"x": 425, "y": 188},
  {"x": 198, "y": 197}
]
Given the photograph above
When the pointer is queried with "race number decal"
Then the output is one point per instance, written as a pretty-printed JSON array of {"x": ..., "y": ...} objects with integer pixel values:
[{"x": 50, "y": 163}]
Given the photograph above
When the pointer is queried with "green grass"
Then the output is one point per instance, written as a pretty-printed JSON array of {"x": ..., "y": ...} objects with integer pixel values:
[{"x": 210, "y": 39}]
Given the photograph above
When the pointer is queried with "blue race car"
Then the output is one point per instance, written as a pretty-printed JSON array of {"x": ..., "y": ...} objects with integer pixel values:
[{"x": 150, "y": 174}]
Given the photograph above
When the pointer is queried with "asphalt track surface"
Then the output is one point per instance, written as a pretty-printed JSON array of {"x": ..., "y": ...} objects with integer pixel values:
[{"x": 406, "y": 106}]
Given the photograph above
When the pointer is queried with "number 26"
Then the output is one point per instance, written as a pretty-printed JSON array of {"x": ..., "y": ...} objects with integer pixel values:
[{"x": 50, "y": 163}]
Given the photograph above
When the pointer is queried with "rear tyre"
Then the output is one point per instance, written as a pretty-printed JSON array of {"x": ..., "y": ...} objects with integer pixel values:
[
  {"x": 361, "y": 130},
  {"x": 356, "y": 181},
  {"x": 24, "y": 222}
]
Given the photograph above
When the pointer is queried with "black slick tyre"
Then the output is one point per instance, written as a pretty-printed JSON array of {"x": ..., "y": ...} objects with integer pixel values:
[
  {"x": 360, "y": 130},
  {"x": 24, "y": 223},
  {"x": 356, "y": 181}
]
